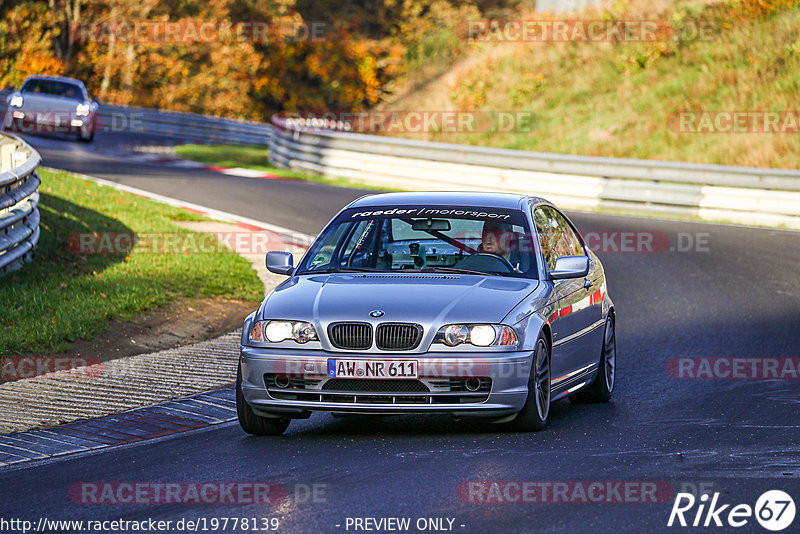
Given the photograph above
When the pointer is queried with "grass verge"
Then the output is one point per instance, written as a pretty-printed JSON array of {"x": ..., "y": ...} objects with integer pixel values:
[
  {"x": 250, "y": 157},
  {"x": 626, "y": 99},
  {"x": 63, "y": 296}
]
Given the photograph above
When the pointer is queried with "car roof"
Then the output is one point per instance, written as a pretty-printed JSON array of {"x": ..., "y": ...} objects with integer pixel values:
[
  {"x": 446, "y": 198},
  {"x": 55, "y": 78}
]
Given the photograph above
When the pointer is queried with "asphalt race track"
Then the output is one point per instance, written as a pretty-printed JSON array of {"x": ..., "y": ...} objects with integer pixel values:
[
  {"x": 300, "y": 206},
  {"x": 736, "y": 295}
]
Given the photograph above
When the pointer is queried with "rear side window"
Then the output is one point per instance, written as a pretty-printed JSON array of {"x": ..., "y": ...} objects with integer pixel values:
[{"x": 556, "y": 236}]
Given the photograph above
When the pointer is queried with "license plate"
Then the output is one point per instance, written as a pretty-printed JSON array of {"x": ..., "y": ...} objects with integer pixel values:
[{"x": 372, "y": 368}]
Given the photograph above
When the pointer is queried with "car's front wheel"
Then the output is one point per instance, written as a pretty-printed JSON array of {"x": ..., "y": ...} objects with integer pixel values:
[
  {"x": 252, "y": 423},
  {"x": 533, "y": 416},
  {"x": 603, "y": 385},
  {"x": 86, "y": 136}
]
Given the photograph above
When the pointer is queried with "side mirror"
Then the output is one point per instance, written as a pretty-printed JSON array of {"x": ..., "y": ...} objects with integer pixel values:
[
  {"x": 570, "y": 267},
  {"x": 280, "y": 262}
]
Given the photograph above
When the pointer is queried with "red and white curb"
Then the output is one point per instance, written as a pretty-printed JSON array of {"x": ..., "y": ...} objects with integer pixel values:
[
  {"x": 244, "y": 173},
  {"x": 172, "y": 160},
  {"x": 100, "y": 424},
  {"x": 148, "y": 422}
]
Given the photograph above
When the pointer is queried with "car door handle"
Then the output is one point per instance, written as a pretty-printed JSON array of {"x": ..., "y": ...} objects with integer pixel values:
[{"x": 587, "y": 284}]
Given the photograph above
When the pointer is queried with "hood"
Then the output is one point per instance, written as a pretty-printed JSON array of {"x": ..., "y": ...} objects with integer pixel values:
[
  {"x": 33, "y": 102},
  {"x": 428, "y": 299}
]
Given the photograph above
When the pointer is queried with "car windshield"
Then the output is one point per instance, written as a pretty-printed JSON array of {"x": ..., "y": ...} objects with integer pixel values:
[
  {"x": 470, "y": 240},
  {"x": 52, "y": 87}
]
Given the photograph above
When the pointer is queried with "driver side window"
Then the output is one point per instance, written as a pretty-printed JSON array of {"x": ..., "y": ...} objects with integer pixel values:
[{"x": 555, "y": 235}]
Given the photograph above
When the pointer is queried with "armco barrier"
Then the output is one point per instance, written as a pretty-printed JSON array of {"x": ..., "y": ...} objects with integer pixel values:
[
  {"x": 184, "y": 125},
  {"x": 713, "y": 192},
  {"x": 19, "y": 197},
  {"x": 189, "y": 126}
]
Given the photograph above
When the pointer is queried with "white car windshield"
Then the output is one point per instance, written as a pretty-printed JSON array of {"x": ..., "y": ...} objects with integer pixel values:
[
  {"x": 53, "y": 88},
  {"x": 472, "y": 240}
]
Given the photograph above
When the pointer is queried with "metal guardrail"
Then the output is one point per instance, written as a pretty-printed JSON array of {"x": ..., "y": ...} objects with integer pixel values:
[
  {"x": 189, "y": 126},
  {"x": 714, "y": 192},
  {"x": 746, "y": 195},
  {"x": 185, "y": 125},
  {"x": 19, "y": 198}
]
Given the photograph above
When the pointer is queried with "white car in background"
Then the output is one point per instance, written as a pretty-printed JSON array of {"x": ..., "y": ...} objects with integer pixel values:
[{"x": 52, "y": 104}]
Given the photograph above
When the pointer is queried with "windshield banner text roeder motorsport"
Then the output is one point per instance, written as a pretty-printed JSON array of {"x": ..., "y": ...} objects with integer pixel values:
[{"x": 435, "y": 211}]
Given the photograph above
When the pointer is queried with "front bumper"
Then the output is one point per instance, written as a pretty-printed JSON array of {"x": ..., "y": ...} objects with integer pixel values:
[
  {"x": 507, "y": 372},
  {"x": 34, "y": 123}
]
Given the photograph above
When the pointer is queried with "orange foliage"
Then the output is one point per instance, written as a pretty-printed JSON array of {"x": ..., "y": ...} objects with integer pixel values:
[
  {"x": 363, "y": 48},
  {"x": 25, "y": 34},
  {"x": 248, "y": 77}
]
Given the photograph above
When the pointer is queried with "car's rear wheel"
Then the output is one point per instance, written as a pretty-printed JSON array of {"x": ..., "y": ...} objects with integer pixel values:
[
  {"x": 252, "y": 423},
  {"x": 603, "y": 386},
  {"x": 533, "y": 416}
]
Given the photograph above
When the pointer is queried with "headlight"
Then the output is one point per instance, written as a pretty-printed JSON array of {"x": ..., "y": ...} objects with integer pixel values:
[
  {"x": 277, "y": 331},
  {"x": 480, "y": 335},
  {"x": 16, "y": 101},
  {"x": 82, "y": 109}
]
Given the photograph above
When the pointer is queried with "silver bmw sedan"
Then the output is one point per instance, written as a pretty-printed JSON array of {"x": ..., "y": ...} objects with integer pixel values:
[{"x": 473, "y": 304}]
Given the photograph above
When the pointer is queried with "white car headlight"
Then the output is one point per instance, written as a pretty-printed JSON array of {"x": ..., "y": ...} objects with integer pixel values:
[
  {"x": 278, "y": 331},
  {"x": 480, "y": 335},
  {"x": 16, "y": 101},
  {"x": 82, "y": 110}
]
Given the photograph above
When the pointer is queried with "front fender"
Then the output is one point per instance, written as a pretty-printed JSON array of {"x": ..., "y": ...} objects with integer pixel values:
[{"x": 530, "y": 328}]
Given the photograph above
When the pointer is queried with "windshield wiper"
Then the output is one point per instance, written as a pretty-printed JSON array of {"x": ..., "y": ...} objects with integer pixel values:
[
  {"x": 455, "y": 270},
  {"x": 427, "y": 269},
  {"x": 347, "y": 270}
]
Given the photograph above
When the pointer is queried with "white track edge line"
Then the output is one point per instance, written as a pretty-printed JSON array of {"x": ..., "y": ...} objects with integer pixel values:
[{"x": 211, "y": 212}]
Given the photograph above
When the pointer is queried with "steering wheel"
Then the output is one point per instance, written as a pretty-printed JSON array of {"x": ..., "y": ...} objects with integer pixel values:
[{"x": 484, "y": 261}]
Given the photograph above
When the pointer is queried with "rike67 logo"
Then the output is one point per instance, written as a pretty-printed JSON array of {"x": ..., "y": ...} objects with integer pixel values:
[{"x": 774, "y": 510}]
